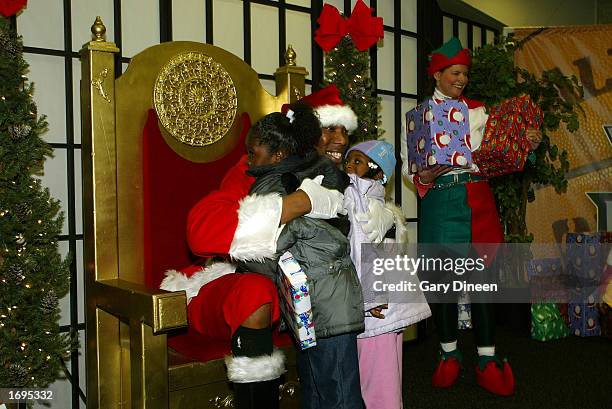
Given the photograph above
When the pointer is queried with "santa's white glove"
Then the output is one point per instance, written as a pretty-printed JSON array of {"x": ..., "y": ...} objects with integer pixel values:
[
  {"x": 376, "y": 221},
  {"x": 325, "y": 203}
]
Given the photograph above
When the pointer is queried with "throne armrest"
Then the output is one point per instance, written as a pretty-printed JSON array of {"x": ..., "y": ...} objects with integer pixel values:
[{"x": 161, "y": 310}]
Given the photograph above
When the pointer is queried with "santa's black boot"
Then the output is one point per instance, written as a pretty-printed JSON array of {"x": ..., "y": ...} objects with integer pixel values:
[
  {"x": 256, "y": 395},
  {"x": 255, "y": 369}
]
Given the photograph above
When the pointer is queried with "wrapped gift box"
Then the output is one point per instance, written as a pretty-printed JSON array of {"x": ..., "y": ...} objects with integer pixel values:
[
  {"x": 583, "y": 291},
  {"x": 584, "y": 318},
  {"x": 547, "y": 323},
  {"x": 564, "y": 311},
  {"x": 547, "y": 281},
  {"x": 549, "y": 289},
  {"x": 544, "y": 267},
  {"x": 585, "y": 255},
  {"x": 295, "y": 305},
  {"x": 464, "y": 311},
  {"x": 604, "y": 307},
  {"x": 505, "y": 147},
  {"x": 438, "y": 133}
]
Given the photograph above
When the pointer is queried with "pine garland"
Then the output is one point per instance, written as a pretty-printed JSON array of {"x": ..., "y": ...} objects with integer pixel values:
[
  {"x": 33, "y": 275},
  {"x": 559, "y": 97},
  {"x": 349, "y": 69}
]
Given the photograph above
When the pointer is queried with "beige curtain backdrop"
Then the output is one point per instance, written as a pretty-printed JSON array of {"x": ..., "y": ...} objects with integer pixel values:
[{"x": 586, "y": 52}]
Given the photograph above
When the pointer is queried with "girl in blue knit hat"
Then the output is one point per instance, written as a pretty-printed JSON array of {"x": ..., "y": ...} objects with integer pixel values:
[{"x": 370, "y": 165}]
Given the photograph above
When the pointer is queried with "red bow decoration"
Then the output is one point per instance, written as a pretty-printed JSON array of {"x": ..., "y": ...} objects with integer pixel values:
[
  {"x": 9, "y": 8},
  {"x": 364, "y": 29}
]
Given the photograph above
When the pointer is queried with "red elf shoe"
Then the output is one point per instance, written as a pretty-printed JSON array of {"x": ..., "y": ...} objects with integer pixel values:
[
  {"x": 448, "y": 368},
  {"x": 495, "y": 376}
]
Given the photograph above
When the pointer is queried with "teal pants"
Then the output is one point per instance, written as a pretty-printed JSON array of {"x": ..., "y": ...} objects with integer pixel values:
[{"x": 445, "y": 219}]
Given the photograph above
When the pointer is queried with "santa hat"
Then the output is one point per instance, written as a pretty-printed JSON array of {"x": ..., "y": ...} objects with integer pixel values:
[
  {"x": 328, "y": 105},
  {"x": 451, "y": 53},
  {"x": 381, "y": 153}
]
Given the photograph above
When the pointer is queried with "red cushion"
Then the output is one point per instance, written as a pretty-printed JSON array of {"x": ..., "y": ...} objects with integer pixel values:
[
  {"x": 199, "y": 347},
  {"x": 171, "y": 186}
]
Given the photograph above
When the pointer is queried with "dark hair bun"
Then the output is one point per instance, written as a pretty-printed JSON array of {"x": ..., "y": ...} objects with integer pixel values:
[
  {"x": 305, "y": 126},
  {"x": 294, "y": 133}
]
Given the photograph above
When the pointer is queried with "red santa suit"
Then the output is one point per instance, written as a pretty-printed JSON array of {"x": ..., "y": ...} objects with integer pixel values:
[
  {"x": 229, "y": 222},
  {"x": 232, "y": 223}
]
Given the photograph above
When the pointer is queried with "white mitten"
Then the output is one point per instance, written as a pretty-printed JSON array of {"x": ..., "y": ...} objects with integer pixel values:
[
  {"x": 325, "y": 203},
  {"x": 376, "y": 221}
]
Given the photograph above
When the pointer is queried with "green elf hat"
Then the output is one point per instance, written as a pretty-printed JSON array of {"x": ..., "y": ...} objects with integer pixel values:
[{"x": 451, "y": 53}]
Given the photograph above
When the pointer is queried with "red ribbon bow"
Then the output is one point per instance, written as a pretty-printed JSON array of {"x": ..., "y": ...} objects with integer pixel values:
[
  {"x": 364, "y": 29},
  {"x": 9, "y": 8}
]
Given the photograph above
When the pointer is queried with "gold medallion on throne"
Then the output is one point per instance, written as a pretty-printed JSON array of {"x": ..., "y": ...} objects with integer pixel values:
[{"x": 195, "y": 99}]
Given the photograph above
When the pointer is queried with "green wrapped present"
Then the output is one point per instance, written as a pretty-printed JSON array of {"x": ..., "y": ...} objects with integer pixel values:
[{"x": 547, "y": 323}]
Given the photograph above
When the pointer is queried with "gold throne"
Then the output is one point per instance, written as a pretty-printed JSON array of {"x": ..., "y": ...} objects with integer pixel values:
[{"x": 193, "y": 102}]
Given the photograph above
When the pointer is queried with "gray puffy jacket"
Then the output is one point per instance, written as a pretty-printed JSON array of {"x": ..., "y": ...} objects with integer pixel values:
[{"x": 321, "y": 249}]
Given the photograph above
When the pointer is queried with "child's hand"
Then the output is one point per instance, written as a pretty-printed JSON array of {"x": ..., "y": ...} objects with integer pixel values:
[{"x": 377, "y": 311}]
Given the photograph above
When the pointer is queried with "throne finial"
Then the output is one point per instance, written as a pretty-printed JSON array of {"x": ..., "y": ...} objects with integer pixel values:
[
  {"x": 290, "y": 56},
  {"x": 98, "y": 30}
]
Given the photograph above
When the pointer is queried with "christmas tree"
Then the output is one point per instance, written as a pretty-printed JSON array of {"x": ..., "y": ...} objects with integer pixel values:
[
  {"x": 33, "y": 275},
  {"x": 349, "y": 69}
]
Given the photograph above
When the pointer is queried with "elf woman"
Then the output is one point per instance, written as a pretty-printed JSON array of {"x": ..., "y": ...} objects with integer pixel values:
[{"x": 458, "y": 207}]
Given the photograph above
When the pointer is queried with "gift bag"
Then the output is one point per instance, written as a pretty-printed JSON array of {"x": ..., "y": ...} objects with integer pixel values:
[
  {"x": 504, "y": 146},
  {"x": 438, "y": 133},
  {"x": 295, "y": 301}
]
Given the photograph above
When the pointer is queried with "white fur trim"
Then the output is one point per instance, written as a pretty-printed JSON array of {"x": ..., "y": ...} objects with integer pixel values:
[
  {"x": 258, "y": 227},
  {"x": 177, "y": 281},
  {"x": 243, "y": 369},
  {"x": 401, "y": 231},
  {"x": 337, "y": 115}
]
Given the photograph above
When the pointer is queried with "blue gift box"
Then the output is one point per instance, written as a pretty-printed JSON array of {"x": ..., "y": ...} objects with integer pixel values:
[
  {"x": 438, "y": 133},
  {"x": 544, "y": 267},
  {"x": 584, "y": 318},
  {"x": 585, "y": 258}
]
